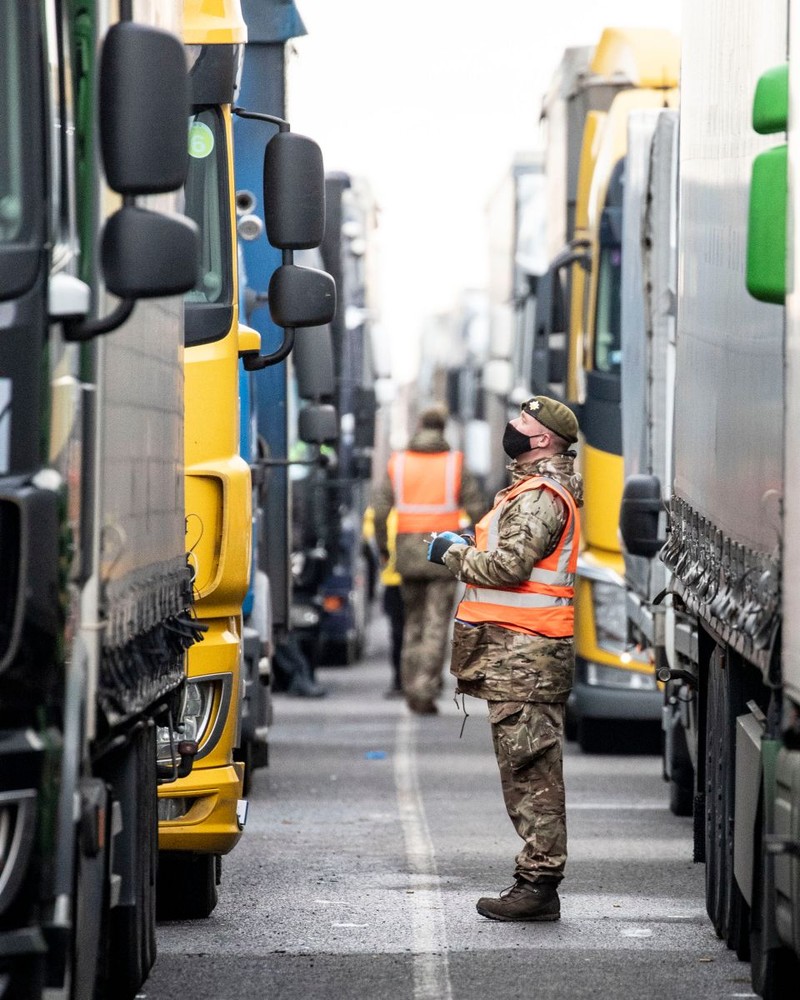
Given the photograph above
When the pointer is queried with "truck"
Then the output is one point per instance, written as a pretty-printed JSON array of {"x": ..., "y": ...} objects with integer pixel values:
[
  {"x": 293, "y": 404},
  {"x": 577, "y": 352},
  {"x": 726, "y": 628},
  {"x": 203, "y": 813},
  {"x": 647, "y": 322},
  {"x": 333, "y": 586},
  {"x": 96, "y": 608}
]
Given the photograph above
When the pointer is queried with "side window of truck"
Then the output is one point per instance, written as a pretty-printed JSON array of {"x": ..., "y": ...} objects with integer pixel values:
[{"x": 12, "y": 104}]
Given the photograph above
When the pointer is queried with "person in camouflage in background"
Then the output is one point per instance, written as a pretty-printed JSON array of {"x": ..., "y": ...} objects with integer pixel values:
[
  {"x": 429, "y": 487},
  {"x": 513, "y": 641}
]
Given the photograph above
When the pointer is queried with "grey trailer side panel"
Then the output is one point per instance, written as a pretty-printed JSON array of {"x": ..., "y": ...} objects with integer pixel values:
[
  {"x": 649, "y": 276},
  {"x": 728, "y": 442},
  {"x": 144, "y": 574},
  {"x": 728, "y": 438}
]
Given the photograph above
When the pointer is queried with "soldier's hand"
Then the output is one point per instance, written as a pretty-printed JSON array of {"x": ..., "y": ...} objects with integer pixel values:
[{"x": 441, "y": 543}]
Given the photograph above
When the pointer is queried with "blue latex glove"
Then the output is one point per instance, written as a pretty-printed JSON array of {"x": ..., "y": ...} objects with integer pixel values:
[{"x": 441, "y": 544}]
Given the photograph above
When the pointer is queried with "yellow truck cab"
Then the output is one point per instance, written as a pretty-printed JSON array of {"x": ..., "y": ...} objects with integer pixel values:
[
  {"x": 201, "y": 816},
  {"x": 628, "y": 69},
  {"x": 202, "y": 813}
]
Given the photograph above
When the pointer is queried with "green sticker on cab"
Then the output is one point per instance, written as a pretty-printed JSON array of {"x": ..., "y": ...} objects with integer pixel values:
[{"x": 201, "y": 140}]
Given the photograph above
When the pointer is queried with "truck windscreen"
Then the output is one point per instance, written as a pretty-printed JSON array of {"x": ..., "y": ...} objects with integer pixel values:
[{"x": 209, "y": 309}]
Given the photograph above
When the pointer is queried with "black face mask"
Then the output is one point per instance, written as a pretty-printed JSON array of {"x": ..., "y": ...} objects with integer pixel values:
[{"x": 515, "y": 442}]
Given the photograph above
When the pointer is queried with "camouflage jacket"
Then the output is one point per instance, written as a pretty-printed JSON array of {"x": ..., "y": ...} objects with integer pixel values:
[
  {"x": 412, "y": 549},
  {"x": 495, "y": 663}
]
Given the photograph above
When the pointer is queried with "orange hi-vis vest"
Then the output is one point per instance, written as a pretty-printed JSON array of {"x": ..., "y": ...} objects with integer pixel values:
[
  {"x": 542, "y": 604},
  {"x": 427, "y": 488}
]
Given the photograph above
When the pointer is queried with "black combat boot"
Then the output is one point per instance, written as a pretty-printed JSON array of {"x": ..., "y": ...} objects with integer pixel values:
[{"x": 523, "y": 901}]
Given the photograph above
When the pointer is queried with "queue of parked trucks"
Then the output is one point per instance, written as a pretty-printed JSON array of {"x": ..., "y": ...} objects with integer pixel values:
[
  {"x": 187, "y": 418},
  {"x": 644, "y": 269},
  {"x": 146, "y": 582}
]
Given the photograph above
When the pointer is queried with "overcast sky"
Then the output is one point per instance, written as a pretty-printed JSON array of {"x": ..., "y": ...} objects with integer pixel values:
[{"x": 429, "y": 100}]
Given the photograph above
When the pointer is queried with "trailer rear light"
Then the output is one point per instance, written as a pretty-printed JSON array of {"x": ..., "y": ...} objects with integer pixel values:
[{"x": 17, "y": 821}]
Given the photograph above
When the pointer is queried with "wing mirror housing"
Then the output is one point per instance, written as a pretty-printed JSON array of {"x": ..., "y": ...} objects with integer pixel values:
[
  {"x": 143, "y": 254},
  {"x": 147, "y": 254},
  {"x": 639, "y": 514},
  {"x": 318, "y": 424},
  {"x": 141, "y": 69},
  {"x": 313, "y": 363},
  {"x": 294, "y": 192},
  {"x": 301, "y": 296},
  {"x": 294, "y": 215}
]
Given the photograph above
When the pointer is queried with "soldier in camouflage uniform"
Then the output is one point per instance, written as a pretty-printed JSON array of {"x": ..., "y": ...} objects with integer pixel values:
[
  {"x": 428, "y": 590},
  {"x": 517, "y": 654}
]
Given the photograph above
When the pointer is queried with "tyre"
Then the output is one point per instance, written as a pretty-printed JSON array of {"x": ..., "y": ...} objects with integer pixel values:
[
  {"x": 132, "y": 924},
  {"x": 592, "y": 735},
  {"x": 245, "y": 755},
  {"x": 187, "y": 885},
  {"x": 570, "y": 726},
  {"x": 725, "y": 903},
  {"x": 774, "y": 972},
  {"x": 681, "y": 799}
]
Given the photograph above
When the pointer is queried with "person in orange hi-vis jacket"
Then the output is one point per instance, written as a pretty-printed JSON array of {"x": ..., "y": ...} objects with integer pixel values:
[{"x": 430, "y": 488}]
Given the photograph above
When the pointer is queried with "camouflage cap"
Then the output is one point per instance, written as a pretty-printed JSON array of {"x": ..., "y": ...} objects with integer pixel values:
[{"x": 554, "y": 415}]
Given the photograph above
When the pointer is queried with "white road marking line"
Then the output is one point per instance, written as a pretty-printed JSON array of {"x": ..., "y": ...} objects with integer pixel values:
[
  {"x": 429, "y": 938},
  {"x": 617, "y": 806}
]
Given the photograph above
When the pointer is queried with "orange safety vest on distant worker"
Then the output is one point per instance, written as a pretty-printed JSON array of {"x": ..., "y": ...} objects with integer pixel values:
[
  {"x": 427, "y": 487},
  {"x": 542, "y": 604}
]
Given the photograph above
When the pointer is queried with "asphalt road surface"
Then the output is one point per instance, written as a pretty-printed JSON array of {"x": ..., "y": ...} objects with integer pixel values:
[{"x": 372, "y": 834}]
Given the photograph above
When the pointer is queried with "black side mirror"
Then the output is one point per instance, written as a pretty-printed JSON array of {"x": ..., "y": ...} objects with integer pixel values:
[
  {"x": 146, "y": 255},
  {"x": 294, "y": 192},
  {"x": 639, "y": 515},
  {"x": 141, "y": 69},
  {"x": 294, "y": 214},
  {"x": 143, "y": 254},
  {"x": 366, "y": 407},
  {"x": 313, "y": 362},
  {"x": 301, "y": 296},
  {"x": 318, "y": 424}
]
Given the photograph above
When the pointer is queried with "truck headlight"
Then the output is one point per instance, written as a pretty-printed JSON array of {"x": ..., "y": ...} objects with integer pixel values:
[
  {"x": 610, "y": 622},
  {"x": 198, "y": 703},
  {"x": 604, "y": 675}
]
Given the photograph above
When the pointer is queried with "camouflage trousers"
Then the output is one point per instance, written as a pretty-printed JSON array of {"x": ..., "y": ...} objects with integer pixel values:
[
  {"x": 528, "y": 740},
  {"x": 428, "y": 610}
]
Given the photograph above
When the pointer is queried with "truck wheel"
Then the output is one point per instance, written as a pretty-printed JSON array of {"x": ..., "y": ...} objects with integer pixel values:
[
  {"x": 245, "y": 755},
  {"x": 132, "y": 924},
  {"x": 592, "y": 735},
  {"x": 775, "y": 972},
  {"x": 187, "y": 885},
  {"x": 724, "y": 901},
  {"x": 681, "y": 799}
]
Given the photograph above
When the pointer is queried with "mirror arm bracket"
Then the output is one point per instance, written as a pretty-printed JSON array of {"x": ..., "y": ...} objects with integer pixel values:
[
  {"x": 321, "y": 460},
  {"x": 282, "y": 124},
  {"x": 79, "y": 329},
  {"x": 254, "y": 362}
]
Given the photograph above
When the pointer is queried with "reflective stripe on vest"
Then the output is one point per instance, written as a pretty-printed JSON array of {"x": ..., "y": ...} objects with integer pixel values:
[
  {"x": 542, "y": 604},
  {"x": 427, "y": 488}
]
